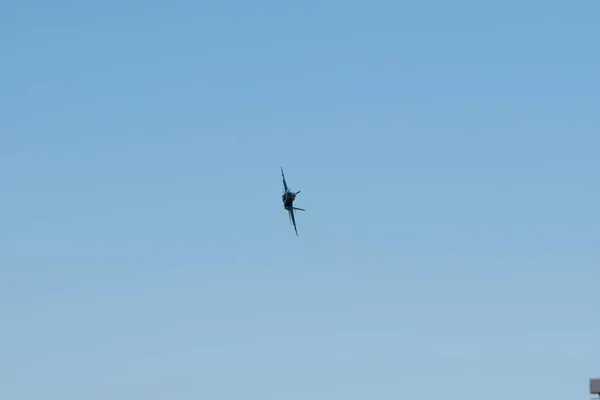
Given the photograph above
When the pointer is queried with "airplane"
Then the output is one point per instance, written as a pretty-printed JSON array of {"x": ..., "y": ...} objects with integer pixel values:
[{"x": 288, "y": 198}]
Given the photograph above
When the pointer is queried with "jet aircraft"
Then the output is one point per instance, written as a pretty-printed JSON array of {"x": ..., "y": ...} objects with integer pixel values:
[{"x": 288, "y": 198}]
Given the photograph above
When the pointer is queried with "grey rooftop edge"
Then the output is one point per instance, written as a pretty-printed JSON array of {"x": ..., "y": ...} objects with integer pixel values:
[{"x": 595, "y": 386}]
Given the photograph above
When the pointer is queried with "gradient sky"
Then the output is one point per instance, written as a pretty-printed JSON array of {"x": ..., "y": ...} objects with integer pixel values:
[{"x": 447, "y": 153}]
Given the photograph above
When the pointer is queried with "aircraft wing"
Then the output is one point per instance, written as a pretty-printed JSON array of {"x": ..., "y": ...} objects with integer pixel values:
[
  {"x": 291, "y": 211},
  {"x": 284, "y": 183}
]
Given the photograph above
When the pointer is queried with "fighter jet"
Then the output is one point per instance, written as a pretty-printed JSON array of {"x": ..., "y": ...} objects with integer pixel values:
[{"x": 288, "y": 201}]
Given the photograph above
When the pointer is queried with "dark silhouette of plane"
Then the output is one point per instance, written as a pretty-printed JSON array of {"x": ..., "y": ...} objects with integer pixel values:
[{"x": 288, "y": 201}]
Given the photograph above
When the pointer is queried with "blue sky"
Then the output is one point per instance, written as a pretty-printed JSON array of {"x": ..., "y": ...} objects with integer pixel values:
[{"x": 447, "y": 154}]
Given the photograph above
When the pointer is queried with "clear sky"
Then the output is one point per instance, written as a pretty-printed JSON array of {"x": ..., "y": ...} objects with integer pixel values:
[{"x": 447, "y": 153}]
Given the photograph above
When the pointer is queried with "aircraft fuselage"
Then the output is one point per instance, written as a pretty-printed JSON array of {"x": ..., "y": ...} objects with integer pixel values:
[{"x": 288, "y": 200}]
